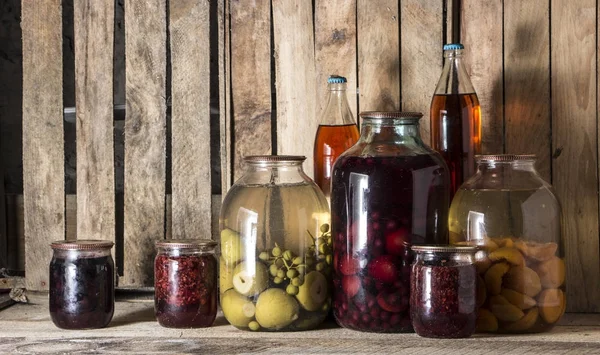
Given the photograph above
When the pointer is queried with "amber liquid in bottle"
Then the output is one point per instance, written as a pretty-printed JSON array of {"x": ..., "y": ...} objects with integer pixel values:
[
  {"x": 456, "y": 134},
  {"x": 331, "y": 141}
]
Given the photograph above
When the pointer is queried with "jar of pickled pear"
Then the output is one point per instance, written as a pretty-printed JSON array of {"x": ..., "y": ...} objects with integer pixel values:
[
  {"x": 509, "y": 212},
  {"x": 276, "y": 248}
]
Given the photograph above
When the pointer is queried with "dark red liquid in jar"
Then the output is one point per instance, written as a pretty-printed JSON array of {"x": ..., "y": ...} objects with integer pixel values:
[
  {"x": 331, "y": 141},
  {"x": 82, "y": 292},
  {"x": 443, "y": 300},
  {"x": 456, "y": 134},
  {"x": 380, "y": 206},
  {"x": 185, "y": 290}
]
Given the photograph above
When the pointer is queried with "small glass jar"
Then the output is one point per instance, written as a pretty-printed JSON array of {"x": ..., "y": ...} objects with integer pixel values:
[
  {"x": 82, "y": 284},
  {"x": 276, "y": 258},
  {"x": 514, "y": 217},
  {"x": 443, "y": 292},
  {"x": 185, "y": 283}
]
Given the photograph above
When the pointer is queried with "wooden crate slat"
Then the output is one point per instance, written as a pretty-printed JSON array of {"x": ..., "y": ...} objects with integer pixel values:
[
  {"x": 94, "y": 33},
  {"x": 224, "y": 94},
  {"x": 335, "y": 48},
  {"x": 190, "y": 118},
  {"x": 527, "y": 81},
  {"x": 378, "y": 55},
  {"x": 250, "y": 80},
  {"x": 422, "y": 32},
  {"x": 43, "y": 149},
  {"x": 574, "y": 143},
  {"x": 295, "y": 72},
  {"x": 145, "y": 137},
  {"x": 481, "y": 25}
]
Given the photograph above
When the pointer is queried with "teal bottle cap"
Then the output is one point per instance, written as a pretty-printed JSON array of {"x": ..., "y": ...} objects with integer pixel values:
[
  {"x": 451, "y": 46},
  {"x": 336, "y": 79}
]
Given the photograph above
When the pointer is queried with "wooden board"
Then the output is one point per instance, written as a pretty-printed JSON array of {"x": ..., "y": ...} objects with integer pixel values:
[
  {"x": 190, "y": 120},
  {"x": 295, "y": 72},
  {"x": 482, "y": 36},
  {"x": 94, "y": 33},
  {"x": 43, "y": 154},
  {"x": 574, "y": 145},
  {"x": 335, "y": 48},
  {"x": 378, "y": 55},
  {"x": 145, "y": 137},
  {"x": 250, "y": 80},
  {"x": 224, "y": 94},
  {"x": 422, "y": 40},
  {"x": 527, "y": 81}
]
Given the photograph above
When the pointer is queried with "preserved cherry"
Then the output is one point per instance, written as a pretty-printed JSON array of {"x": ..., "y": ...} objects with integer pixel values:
[
  {"x": 389, "y": 192},
  {"x": 185, "y": 283},
  {"x": 82, "y": 293}
]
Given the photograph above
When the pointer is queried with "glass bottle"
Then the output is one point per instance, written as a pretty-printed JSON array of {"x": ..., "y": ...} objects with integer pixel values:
[
  {"x": 389, "y": 191},
  {"x": 513, "y": 215},
  {"x": 443, "y": 291},
  {"x": 336, "y": 133},
  {"x": 185, "y": 283},
  {"x": 82, "y": 284},
  {"x": 276, "y": 248},
  {"x": 456, "y": 118}
]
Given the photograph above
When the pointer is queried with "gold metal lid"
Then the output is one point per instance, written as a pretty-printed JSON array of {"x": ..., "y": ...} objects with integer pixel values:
[
  {"x": 505, "y": 157},
  {"x": 390, "y": 114},
  {"x": 82, "y": 244},
  {"x": 444, "y": 249},
  {"x": 186, "y": 243},
  {"x": 274, "y": 158}
]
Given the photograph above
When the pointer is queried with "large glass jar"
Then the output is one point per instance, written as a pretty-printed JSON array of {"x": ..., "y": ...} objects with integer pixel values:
[
  {"x": 82, "y": 286},
  {"x": 389, "y": 191},
  {"x": 185, "y": 283},
  {"x": 512, "y": 214},
  {"x": 276, "y": 247}
]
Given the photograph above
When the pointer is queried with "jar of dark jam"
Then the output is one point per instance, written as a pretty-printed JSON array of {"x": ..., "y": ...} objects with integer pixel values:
[
  {"x": 443, "y": 291},
  {"x": 185, "y": 283},
  {"x": 82, "y": 286},
  {"x": 389, "y": 191}
]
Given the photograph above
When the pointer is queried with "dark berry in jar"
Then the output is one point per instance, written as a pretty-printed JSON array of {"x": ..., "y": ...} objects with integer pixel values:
[{"x": 383, "y": 269}]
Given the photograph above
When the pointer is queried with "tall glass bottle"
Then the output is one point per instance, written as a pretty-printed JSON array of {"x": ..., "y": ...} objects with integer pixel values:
[
  {"x": 337, "y": 132},
  {"x": 456, "y": 118}
]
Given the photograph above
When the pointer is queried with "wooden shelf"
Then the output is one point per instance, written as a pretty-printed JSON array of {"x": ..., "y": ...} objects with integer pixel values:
[{"x": 27, "y": 328}]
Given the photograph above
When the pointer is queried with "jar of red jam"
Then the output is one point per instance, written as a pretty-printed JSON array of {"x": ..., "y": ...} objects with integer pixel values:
[
  {"x": 443, "y": 291},
  {"x": 185, "y": 283},
  {"x": 389, "y": 191},
  {"x": 82, "y": 291}
]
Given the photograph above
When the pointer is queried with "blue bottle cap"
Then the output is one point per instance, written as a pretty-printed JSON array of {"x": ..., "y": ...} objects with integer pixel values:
[
  {"x": 451, "y": 46},
  {"x": 336, "y": 79}
]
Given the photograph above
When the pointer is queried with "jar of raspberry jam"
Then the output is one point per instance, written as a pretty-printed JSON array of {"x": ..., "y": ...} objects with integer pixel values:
[
  {"x": 82, "y": 291},
  {"x": 185, "y": 283},
  {"x": 443, "y": 291}
]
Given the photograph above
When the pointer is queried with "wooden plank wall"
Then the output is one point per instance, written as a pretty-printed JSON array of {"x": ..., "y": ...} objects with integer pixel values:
[{"x": 534, "y": 65}]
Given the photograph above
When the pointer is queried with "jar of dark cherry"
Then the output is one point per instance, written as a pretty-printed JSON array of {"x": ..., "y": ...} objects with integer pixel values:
[
  {"x": 185, "y": 283},
  {"x": 443, "y": 296},
  {"x": 82, "y": 291}
]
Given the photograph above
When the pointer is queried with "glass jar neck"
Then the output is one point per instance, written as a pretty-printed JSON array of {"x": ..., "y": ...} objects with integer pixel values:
[
  {"x": 81, "y": 254},
  {"x": 441, "y": 259},
  {"x": 274, "y": 173},
  {"x": 506, "y": 167},
  {"x": 337, "y": 111},
  {"x": 390, "y": 130},
  {"x": 185, "y": 251},
  {"x": 454, "y": 78}
]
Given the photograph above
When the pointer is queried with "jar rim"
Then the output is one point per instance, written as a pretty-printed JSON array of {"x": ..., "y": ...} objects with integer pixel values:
[
  {"x": 390, "y": 114},
  {"x": 266, "y": 159},
  {"x": 82, "y": 244},
  {"x": 444, "y": 249},
  {"x": 505, "y": 157},
  {"x": 186, "y": 243}
]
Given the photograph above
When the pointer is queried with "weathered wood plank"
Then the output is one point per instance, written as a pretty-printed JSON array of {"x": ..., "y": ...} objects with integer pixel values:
[
  {"x": 145, "y": 137},
  {"x": 94, "y": 35},
  {"x": 527, "y": 80},
  {"x": 250, "y": 80},
  {"x": 481, "y": 25},
  {"x": 574, "y": 142},
  {"x": 224, "y": 94},
  {"x": 378, "y": 55},
  {"x": 190, "y": 120},
  {"x": 335, "y": 48},
  {"x": 422, "y": 29},
  {"x": 297, "y": 121},
  {"x": 43, "y": 150}
]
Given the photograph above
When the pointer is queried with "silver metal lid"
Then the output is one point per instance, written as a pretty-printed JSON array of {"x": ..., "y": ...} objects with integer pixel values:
[
  {"x": 390, "y": 114},
  {"x": 444, "y": 249},
  {"x": 505, "y": 157},
  {"x": 186, "y": 243},
  {"x": 274, "y": 158},
  {"x": 82, "y": 244}
]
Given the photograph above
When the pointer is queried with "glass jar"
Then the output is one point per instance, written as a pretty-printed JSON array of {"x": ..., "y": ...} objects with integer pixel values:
[
  {"x": 275, "y": 248},
  {"x": 513, "y": 215},
  {"x": 389, "y": 191},
  {"x": 443, "y": 297},
  {"x": 185, "y": 283},
  {"x": 82, "y": 284}
]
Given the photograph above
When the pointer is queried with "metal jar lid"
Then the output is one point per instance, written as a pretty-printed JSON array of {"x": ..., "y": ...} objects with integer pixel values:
[
  {"x": 390, "y": 114},
  {"x": 82, "y": 244},
  {"x": 444, "y": 249},
  {"x": 274, "y": 158},
  {"x": 505, "y": 157},
  {"x": 186, "y": 244}
]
